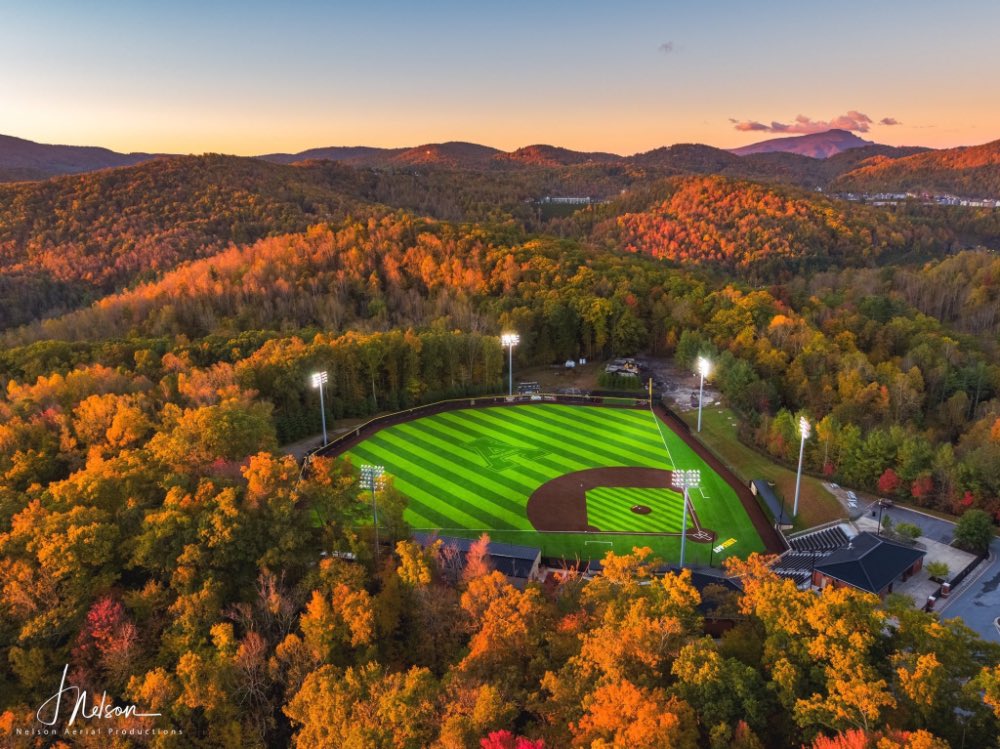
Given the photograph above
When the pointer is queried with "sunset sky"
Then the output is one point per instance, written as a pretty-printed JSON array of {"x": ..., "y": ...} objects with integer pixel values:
[{"x": 254, "y": 77}]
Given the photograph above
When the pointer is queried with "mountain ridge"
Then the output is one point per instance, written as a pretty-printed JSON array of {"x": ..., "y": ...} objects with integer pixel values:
[
  {"x": 969, "y": 171},
  {"x": 815, "y": 145},
  {"x": 863, "y": 167}
]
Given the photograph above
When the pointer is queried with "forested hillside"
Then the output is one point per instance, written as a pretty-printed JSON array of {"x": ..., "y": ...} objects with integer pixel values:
[
  {"x": 759, "y": 232},
  {"x": 153, "y": 538},
  {"x": 70, "y": 239},
  {"x": 896, "y": 359},
  {"x": 972, "y": 171}
]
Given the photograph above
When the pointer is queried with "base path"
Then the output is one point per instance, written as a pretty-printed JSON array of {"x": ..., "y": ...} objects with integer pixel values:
[{"x": 561, "y": 504}]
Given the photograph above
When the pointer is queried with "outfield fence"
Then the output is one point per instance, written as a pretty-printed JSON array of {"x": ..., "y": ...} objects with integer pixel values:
[{"x": 607, "y": 398}]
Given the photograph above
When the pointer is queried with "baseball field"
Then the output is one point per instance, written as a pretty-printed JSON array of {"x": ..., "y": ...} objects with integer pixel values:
[{"x": 573, "y": 480}]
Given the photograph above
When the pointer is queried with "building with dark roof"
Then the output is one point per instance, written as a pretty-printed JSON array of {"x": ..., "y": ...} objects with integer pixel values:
[
  {"x": 518, "y": 563},
  {"x": 868, "y": 562}
]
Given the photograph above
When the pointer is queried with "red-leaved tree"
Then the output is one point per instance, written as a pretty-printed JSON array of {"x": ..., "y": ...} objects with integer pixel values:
[{"x": 888, "y": 482}]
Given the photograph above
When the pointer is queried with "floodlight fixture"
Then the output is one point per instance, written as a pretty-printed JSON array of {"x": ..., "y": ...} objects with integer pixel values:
[
  {"x": 371, "y": 478},
  {"x": 704, "y": 367},
  {"x": 685, "y": 479},
  {"x": 804, "y": 430},
  {"x": 509, "y": 341},
  {"x": 319, "y": 379}
]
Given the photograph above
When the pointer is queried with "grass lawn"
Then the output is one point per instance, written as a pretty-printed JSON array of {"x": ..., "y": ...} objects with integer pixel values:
[
  {"x": 718, "y": 431},
  {"x": 471, "y": 471},
  {"x": 610, "y": 509}
]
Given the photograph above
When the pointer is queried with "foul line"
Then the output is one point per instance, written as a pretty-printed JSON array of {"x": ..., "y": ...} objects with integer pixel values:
[{"x": 673, "y": 465}]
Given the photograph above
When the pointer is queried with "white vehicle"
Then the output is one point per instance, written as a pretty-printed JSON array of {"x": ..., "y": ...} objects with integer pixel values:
[{"x": 852, "y": 496}]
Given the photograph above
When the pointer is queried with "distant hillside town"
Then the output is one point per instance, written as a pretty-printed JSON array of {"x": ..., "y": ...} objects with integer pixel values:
[{"x": 894, "y": 198}]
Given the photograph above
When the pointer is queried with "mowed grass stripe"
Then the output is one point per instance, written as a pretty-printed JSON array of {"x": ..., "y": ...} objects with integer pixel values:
[
  {"x": 460, "y": 472},
  {"x": 497, "y": 421},
  {"x": 438, "y": 434},
  {"x": 561, "y": 458},
  {"x": 468, "y": 461},
  {"x": 616, "y": 520},
  {"x": 394, "y": 458},
  {"x": 569, "y": 434},
  {"x": 424, "y": 495},
  {"x": 663, "y": 515},
  {"x": 610, "y": 509},
  {"x": 630, "y": 422},
  {"x": 629, "y": 437},
  {"x": 569, "y": 445},
  {"x": 654, "y": 522},
  {"x": 426, "y": 512},
  {"x": 458, "y": 475},
  {"x": 629, "y": 496},
  {"x": 599, "y": 509},
  {"x": 554, "y": 463}
]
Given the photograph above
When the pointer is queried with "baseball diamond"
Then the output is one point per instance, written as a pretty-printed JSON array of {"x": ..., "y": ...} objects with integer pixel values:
[{"x": 574, "y": 480}]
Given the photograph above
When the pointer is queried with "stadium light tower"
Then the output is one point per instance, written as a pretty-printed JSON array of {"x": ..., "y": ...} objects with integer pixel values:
[
  {"x": 685, "y": 480},
  {"x": 318, "y": 381},
  {"x": 804, "y": 431},
  {"x": 704, "y": 367},
  {"x": 371, "y": 478},
  {"x": 510, "y": 340}
]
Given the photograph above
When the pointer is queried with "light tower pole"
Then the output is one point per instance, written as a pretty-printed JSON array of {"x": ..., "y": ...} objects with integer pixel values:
[
  {"x": 685, "y": 480},
  {"x": 510, "y": 340},
  {"x": 318, "y": 381},
  {"x": 371, "y": 478},
  {"x": 804, "y": 431},
  {"x": 704, "y": 367}
]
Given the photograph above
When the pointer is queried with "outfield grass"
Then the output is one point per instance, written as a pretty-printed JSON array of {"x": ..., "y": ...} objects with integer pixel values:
[
  {"x": 718, "y": 431},
  {"x": 473, "y": 470}
]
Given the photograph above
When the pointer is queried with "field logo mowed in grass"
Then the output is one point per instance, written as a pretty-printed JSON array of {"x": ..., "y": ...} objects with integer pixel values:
[{"x": 499, "y": 455}]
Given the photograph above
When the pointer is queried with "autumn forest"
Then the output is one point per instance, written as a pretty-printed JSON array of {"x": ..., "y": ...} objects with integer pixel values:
[{"x": 158, "y": 326}]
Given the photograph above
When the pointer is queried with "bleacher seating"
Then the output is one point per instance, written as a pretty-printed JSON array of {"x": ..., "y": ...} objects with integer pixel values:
[
  {"x": 826, "y": 539},
  {"x": 798, "y": 565}
]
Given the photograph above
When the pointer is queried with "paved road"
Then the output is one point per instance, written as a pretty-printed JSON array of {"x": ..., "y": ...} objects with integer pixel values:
[
  {"x": 933, "y": 528},
  {"x": 977, "y": 600}
]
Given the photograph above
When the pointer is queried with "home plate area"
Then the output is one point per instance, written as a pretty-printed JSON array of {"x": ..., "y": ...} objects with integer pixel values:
[{"x": 623, "y": 500}]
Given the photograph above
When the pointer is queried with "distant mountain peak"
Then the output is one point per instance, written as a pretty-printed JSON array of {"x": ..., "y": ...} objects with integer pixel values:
[{"x": 815, "y": 145}]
